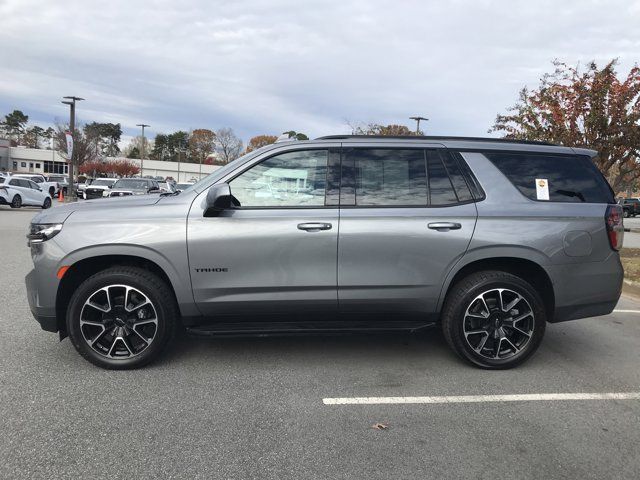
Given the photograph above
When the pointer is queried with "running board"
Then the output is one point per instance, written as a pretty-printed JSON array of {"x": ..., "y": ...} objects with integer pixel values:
[{"x": 264, "y": 329}]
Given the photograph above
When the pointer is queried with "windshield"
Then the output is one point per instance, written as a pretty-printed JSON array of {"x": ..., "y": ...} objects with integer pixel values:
[
  {"x": 222, "y": 171},
  {"x": 104, "y": 183},
  {"x": 131, "y": 183}
]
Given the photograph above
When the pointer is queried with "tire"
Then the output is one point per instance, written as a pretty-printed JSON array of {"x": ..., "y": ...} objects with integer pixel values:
[
  {"x": 16, "y": 202},
  {"x": 465, "y": 320},
  {"x": 46, "y": 204},
  {"x": 122, "y": 339},
  {"x": 625, "y": 213},
  {"x": 52, "y": 192}
]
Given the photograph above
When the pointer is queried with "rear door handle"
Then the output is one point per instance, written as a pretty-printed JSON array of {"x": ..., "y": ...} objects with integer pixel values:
[
  {"x": 444, "y": 226},
  {"x": 314, "y": 226}
]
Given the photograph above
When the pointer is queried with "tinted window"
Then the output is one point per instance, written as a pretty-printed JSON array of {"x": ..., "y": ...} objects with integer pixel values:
[
  {"x": 1, "y": 179},
  {"x": 440, "y": 186},
  {"x": 455, "y": 174},
  {"x": 14, "y": 182},
  {"x": 388, "y": 177},
  {"x": 569, "y": 178},
  {"x": 293, "y": 179},
  {"x": 33, "y": 185}
]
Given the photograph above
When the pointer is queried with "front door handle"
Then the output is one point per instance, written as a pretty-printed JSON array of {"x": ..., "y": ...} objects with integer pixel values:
[
  {"x": 314, "y": 226},
  {"x": 444, "y": 226}
]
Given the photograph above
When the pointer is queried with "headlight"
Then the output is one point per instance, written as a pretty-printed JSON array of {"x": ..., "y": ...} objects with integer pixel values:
[{"x": 41, "y": 232}]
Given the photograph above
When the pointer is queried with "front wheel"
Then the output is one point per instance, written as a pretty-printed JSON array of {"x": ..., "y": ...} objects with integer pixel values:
[
  {"x": 16, "y": 202},
  {"x": 494, "y": 319},
  {"x": 625, "y": 213},
  {"x": 122, "y": 318},
  {"x": 47, "y": 203}
]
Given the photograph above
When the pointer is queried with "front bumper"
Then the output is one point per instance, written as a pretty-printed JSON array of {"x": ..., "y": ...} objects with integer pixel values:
[{"x": 45, "y": 316}]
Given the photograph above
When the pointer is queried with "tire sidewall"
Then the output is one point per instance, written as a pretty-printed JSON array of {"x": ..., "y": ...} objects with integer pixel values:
[
  {"x": 163, "y": 312},
  {"x": 16, "y": 199},
  {"x": 47, "y": 203},
  {"x": 512, "y": 283}
]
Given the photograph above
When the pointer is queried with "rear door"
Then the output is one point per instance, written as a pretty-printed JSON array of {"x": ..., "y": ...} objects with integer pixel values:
[
  {"x": 403, "y": 225},
  {"x": 277, "y": 251}
]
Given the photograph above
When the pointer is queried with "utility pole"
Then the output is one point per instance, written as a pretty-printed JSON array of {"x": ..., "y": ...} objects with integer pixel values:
[
  {"x": 73, "y": 167},
  {"x": 417, "y": 119},
  {"x": 142, "y": 153}
]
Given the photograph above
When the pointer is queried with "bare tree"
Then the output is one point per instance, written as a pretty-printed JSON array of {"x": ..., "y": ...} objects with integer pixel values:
[{"x": 228, "y": 145}]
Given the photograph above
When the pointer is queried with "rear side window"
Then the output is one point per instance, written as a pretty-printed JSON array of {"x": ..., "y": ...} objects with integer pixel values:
[
  {"x": 388, "y": 177},
  {"x": 440, "y": 186},
  {"x": 569, "y": 178},
  {"x": 1, "y": 179}
]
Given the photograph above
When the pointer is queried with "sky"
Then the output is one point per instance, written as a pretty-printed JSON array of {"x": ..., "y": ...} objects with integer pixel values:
[{"x": 264, "y": 67}]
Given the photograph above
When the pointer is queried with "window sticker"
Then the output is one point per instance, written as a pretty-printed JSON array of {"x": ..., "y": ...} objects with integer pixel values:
[{"x": 542, "y": 189}]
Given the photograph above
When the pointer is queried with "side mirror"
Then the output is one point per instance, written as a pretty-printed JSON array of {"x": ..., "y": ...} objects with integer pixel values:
[{"x": 219, "y": 198}]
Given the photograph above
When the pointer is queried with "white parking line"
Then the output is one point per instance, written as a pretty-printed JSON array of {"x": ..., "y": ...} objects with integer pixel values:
[
  {"x": 532, "y": 397},
  {"x": 626, "y": 311}
]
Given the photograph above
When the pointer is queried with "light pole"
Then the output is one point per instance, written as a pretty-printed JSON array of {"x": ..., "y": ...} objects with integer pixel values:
[
  {"x": 417, "y": 119},
  {"x": 142, "y": 153},
  {"x": 71, "y": 101}
]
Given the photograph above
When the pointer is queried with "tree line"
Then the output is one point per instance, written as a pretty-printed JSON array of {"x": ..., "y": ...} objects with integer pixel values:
[{"x": 574, "y": 106}]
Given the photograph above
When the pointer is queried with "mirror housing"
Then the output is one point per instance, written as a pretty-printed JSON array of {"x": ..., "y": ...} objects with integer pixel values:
[{"x": 218, "y": 199}]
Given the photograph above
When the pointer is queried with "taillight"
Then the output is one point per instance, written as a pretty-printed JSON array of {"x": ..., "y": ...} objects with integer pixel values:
[{"x": 615, "y": 228}]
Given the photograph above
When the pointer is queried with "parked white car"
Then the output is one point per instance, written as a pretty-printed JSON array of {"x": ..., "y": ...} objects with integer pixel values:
[
  {"x": 99, "y": 188},
  {"x": 17, "y": 192},
  {"x": 51, "y": 187}
]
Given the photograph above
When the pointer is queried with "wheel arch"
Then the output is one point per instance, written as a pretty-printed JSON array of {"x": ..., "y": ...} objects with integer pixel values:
[
  {"x": 527, "y": 269},
  {"x": 85, "y": 267}
]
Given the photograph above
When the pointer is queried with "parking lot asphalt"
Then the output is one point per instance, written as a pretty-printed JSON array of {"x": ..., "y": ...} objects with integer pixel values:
[{"x": 253, "y": 407}]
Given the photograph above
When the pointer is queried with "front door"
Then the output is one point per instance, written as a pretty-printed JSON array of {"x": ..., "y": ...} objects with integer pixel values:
[
  {"x": 407, "y": 216},
  {"x": 277, "y": 251}
]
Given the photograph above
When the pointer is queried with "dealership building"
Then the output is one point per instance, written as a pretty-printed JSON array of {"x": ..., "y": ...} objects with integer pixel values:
[
  {"x": 37, "y": 160},
  {"x": 31, "y": 160}
]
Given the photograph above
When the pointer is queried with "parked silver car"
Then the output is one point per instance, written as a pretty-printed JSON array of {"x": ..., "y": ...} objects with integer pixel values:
[{"x": 489, "y": 239}]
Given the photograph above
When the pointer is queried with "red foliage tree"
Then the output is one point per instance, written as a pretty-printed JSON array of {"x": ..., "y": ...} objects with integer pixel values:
[
  {"x": 593, "y": 109},
  {"x": 120, "y": 168}
]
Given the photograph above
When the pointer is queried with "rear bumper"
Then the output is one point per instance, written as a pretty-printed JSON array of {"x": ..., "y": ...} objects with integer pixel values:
[{"x": 586, "y": 289}]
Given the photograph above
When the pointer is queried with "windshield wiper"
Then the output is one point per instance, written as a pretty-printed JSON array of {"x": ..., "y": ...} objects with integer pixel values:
[{"x": 571, "y": 193}]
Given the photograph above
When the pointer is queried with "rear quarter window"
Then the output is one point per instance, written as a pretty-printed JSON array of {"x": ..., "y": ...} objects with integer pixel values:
[{"x": 570, "y": 178}]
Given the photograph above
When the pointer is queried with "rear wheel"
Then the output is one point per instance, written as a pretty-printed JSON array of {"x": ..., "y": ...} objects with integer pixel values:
[
  {"x": 121, "y": 318},
  {"x": 625, "y": 213},
  {"x": 47, "y": 203},
  {"x": 52, "y": 192},
  {"x": 494, "y": 319},
  {"x": 16, "y": 202}
]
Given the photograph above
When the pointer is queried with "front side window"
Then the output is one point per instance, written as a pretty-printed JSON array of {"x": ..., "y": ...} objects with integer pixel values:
[{"x": 292, "y": 179}]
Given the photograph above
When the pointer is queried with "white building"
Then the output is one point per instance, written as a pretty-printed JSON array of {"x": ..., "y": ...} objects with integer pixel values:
[
  {"x": 32, "y": 160},
  {"x": 180, "y": 171},
  {"x": 35, "y": 160}
]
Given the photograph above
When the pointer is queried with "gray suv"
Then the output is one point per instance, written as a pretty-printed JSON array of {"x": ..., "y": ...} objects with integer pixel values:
[{"x": 490, "y": 239}]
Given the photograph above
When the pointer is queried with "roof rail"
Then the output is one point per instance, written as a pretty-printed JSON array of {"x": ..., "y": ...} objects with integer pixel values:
[{"x": 437, "y": 138}]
